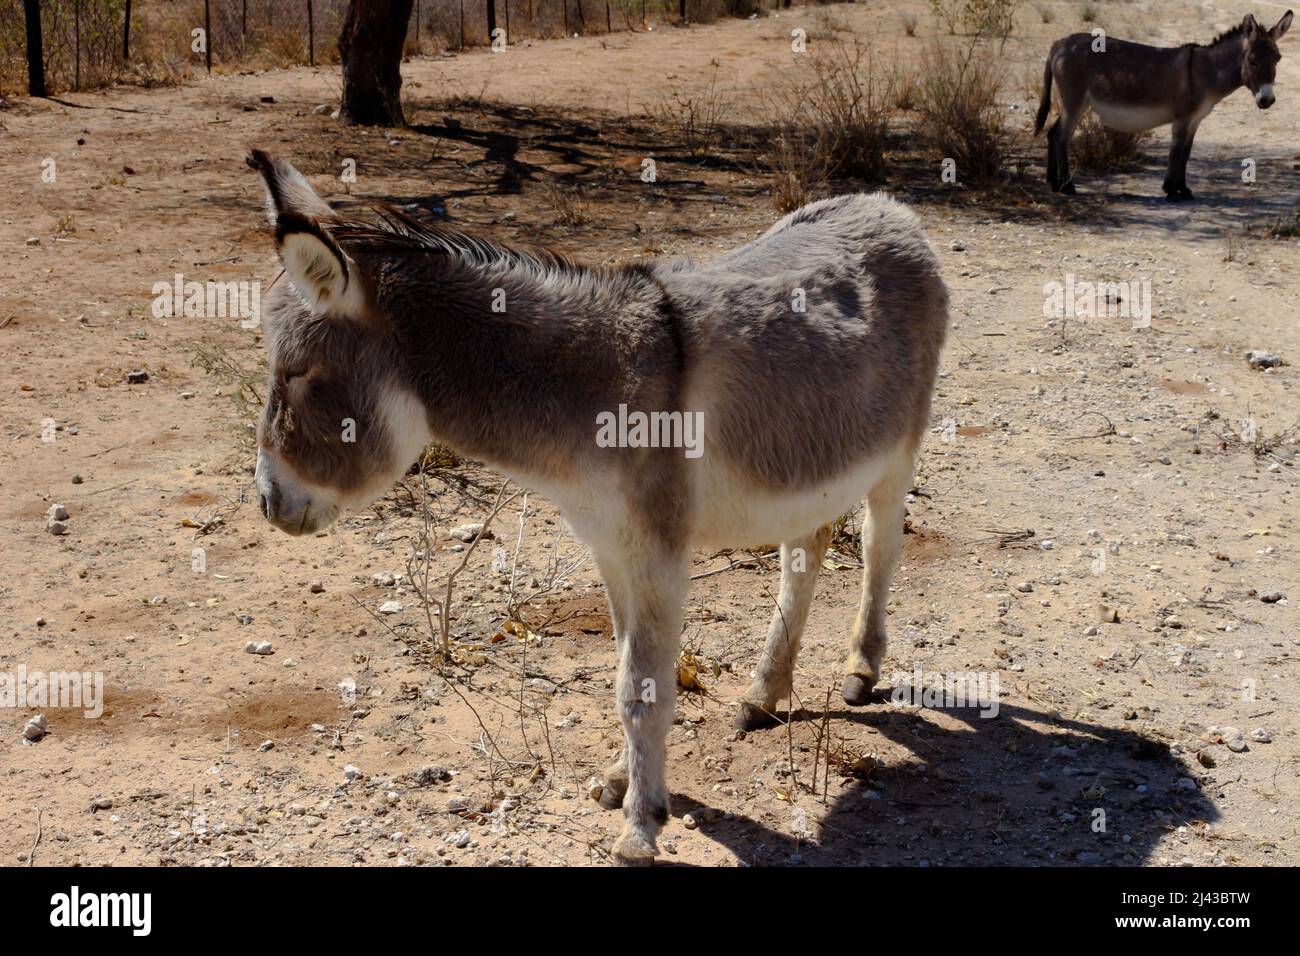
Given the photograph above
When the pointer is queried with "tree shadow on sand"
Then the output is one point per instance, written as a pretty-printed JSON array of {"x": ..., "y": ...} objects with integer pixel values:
[
  {"x": 991, "y": 791},
  {"x": 568, "y": 149}
]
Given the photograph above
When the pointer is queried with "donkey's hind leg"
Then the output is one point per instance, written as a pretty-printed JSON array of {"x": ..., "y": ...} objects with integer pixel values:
[
  {"x": 801, "y": 559},
  {"x": 1053, "y": 154},
  {"x": 1065, "y": 126},
  {"x": 614, "y": 780},
  {"x": 882, "y": 542}
]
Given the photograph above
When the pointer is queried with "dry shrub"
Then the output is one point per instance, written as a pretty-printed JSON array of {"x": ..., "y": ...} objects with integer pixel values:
[
  {"x": 994, "y": 18},
  {"x": 991, "y": 18},
  {"x": 1285, "y": 226},
  {"x": 1096, "y": 148},
  {"x": 795, "y": 178},
  {"x": 958, "y": 113},
  {"x": 830, "y": 121},
  {"x": 697, "y": 120},
  {"x": 831, "y": 22},
  {"x": 907, "y": 87},
  {"x": 569, "y": 209},
  {"x": 241, "y": 381}
]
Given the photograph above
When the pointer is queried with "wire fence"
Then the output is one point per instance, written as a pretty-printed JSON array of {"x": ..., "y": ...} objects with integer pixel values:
[{"x": 94, "y": 43}]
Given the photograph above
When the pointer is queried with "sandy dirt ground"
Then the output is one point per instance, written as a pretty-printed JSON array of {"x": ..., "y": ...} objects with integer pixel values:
[{"x": 1072, "y": 469}]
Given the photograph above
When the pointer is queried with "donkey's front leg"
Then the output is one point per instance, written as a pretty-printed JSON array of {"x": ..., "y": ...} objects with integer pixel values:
[
  {"x": 882, "y": 542},
  {"x": 1180, "y": 150},
  {"x": 801, "y": 559},
  {"x": 647, "y": 694}
]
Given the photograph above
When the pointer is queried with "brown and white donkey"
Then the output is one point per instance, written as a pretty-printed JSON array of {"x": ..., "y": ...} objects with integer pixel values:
[
  {"x": 1133, "y": 87},
  {"x": 810, "y": 354}
]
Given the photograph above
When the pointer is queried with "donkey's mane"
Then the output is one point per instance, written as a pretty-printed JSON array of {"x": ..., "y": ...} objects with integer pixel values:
[
  {"x": 1227, "y": 34},
  {"x": 398, "y": 232}
]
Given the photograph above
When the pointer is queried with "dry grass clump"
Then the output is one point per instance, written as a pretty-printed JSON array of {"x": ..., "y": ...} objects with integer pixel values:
[
  {"x": 958, "y": 112},
  {"x": 1096, "y": 148},
  {"x": 831, "y": 119}
]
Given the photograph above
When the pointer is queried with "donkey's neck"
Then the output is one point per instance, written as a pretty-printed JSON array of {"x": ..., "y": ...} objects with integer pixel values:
[
  {"x": 514, "y": 361},
  {"x": 1222, "y": 76}
]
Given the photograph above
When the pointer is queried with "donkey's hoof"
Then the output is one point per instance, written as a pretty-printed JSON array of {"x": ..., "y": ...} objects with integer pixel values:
[
  {"x": 753, "y": 717},
  {"x": 1069, "y": 190},
  {"x": 631, "y": 849},
  {"x": 612, "y": 792},
  {"x": 857, "y": 689}
]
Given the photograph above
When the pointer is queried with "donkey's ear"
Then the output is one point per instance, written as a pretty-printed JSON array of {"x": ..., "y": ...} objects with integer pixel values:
[
  {"x": 286, "y": 189},
  {"x": 313, "y": 261},
  {"x": 1280, "y": 28},
  {"x": 1249, "y": 25}
]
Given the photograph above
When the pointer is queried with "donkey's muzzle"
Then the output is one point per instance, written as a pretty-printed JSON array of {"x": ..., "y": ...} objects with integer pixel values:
[
  {"x": 271, "y": 500},
  {"x": 287, "y": 506},
  {"x": 295, "y": 520},
  {"x": 1265, "y": 98}
]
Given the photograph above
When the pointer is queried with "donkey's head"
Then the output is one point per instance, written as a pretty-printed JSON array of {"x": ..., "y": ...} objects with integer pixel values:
[
  {"x": 1260, "y": 57},
  {"x": 339, "y": 427}
]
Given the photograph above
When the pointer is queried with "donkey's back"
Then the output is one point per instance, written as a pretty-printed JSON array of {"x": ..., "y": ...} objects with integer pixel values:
[
  {"x": 834, "y": 234},
  {"x": 815, "y": 351}
]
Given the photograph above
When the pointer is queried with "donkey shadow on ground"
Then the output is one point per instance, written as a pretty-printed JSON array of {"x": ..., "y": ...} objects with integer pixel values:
[
  {"x": 1229, "y": 197},
  {"x": 1224, "y": 200},
  {"x": 990, "y": 791}
]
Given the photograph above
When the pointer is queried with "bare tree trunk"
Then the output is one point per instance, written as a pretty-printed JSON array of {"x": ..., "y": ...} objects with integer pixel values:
[
  {"x": 35, "y": 55},
  {"x": 126, "y": 33},
  {"x": 492, "y": 19},
  {"x": 311, "y": 35},
  {"x": 76, "y": 40},
  {"x": 207, "y": 33},
  {"x": 370, "y": 45}
]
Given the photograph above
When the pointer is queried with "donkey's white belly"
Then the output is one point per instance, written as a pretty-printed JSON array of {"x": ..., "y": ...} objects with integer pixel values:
[
  {"x": 730, "y": 511},
  {"x": 1131, "y": 119},
  {"x": 727, "y": 510}
]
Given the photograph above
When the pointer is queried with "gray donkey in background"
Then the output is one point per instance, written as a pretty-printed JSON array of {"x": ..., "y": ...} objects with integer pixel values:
[
  {"x": 1133, "y": 87},
  {"x": 810, "y": 354}
]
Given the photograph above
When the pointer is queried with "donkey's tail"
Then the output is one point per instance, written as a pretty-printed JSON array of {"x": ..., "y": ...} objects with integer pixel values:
[{"x": 1044, "y": 104}]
